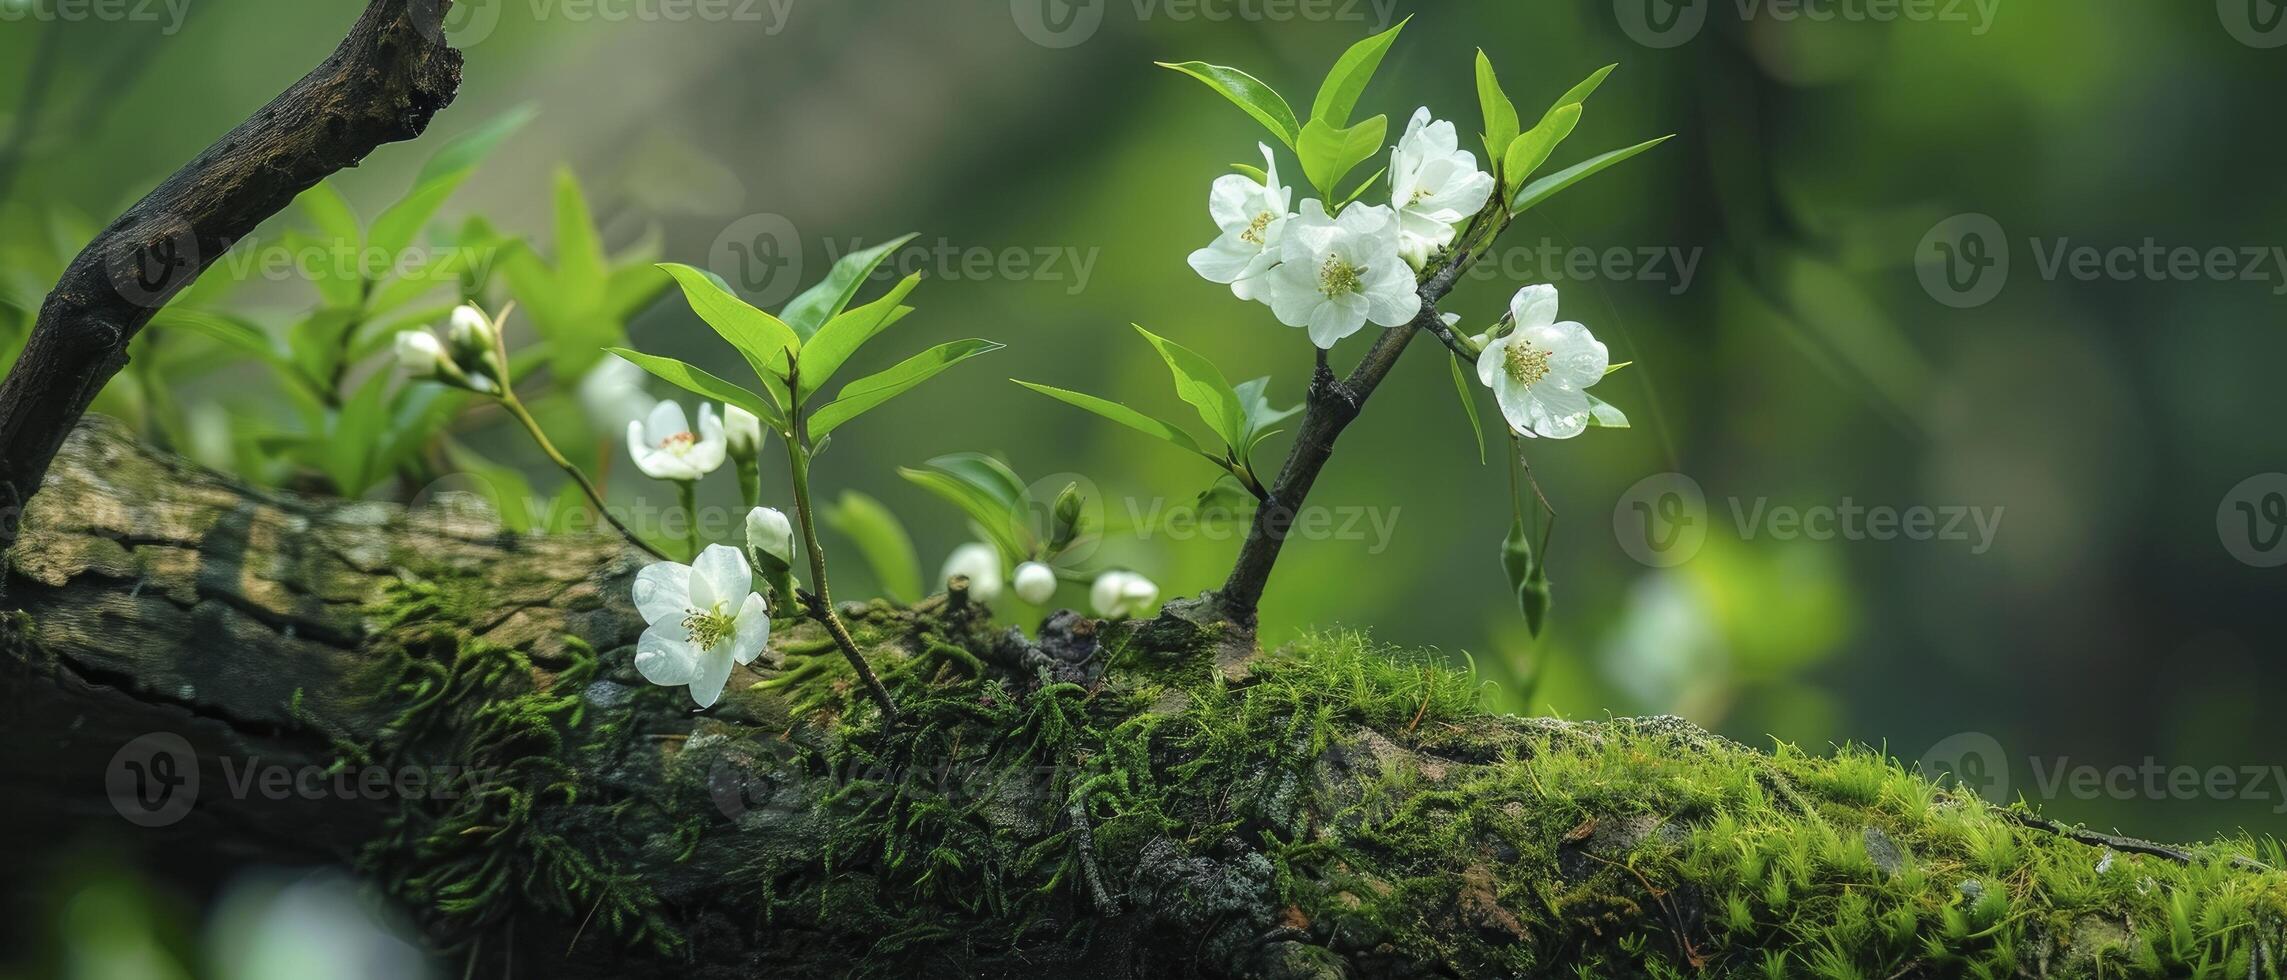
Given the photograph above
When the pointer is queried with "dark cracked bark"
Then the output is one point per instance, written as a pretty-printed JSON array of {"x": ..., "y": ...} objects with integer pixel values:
[
  {"x": 382, "y": 84},
  {"x": 1098, "y": 803}
]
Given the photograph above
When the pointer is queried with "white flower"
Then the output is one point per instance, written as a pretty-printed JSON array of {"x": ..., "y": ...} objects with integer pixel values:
[
  {"x": 1435, "y": 185},
  {"x": 1337, "y": 273},
  {"x": 613, "y": 395},
  {"x": 1116, "y": 594},
  {"x": 704, "y": 616},
  {"x": 419, "y": 353},
  {"x": 742, "y": 432},
  {"x": 1252, "y": 216},
  {"x": 665, "y": 446},
  {"x": 982, "y": 564},
  {"x": 768, "y": 531},
  {"x": 1035, "y": 582},
  {"x": 1540, "y": 371},
  {"x": 472, "y": 338}
]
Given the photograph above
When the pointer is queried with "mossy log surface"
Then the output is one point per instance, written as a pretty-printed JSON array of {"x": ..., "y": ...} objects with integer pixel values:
[{"x": 1117, "y": 799}]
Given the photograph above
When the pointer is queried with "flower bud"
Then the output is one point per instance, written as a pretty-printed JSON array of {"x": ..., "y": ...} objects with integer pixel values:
[
  {"x": 981, "y": 564},
  {"x": 744, "y": 431},
  {"x": 769, "y": 532},
  {"x": 419, "y": 353},
  {"x": 475, "y": 347},
  {"x": 1035, "y": 582},
  {"x": 1117, "y": 594}
]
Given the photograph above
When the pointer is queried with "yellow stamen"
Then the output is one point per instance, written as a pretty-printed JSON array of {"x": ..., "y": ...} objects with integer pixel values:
[{"x": 1527, "y": 364}]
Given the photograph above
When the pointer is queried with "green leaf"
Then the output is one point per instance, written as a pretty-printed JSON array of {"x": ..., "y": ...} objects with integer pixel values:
[
  {"x": 1255, "y": 405},
  {"x": 1528, "y": 151},
  {"x": 825, "y": 300},
  {"x": 1328, "y": 154},
  {"x": 1547, "y": 187},
  {"x": 882, "y": 540},
  {"x": 397, "y": 226},
  {"x": 509, "y": 492},
  {"x": 580, "y": 267},
  {"x": 826, "y": 351},
  {"x": 862, "y": 395},
  {"x": 1469, "y": 405},
  {"x": 233, "y": 332},
  {"x": 1201, "y": 386},
  {"x": 462, "y": 153},
  {"x": 766, "y": 341},
  {"x": 986, "y": 474},
  {"x": 993, "y": 515},
  {"x": 1249, "y": 94},
  {"x": 1347, "y": 80},
  {"x": 1611, "y": 369},
  {"x": 1587, "y": 87},
  {"x": 1252, "y": 172},
  {"x": 1501, "y": 126},
  {"x": 1601, "y": 413},
  {"x": 330, "y": 211},
  {"x": 1123, "y": 415},
  {"x": 699, "y": 382},
  {"x": 316, "y": 258}
]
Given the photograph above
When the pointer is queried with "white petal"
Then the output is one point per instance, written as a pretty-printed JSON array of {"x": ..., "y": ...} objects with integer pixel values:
[
  {"x": 666, "y": 419},
  {"x": 1336, "y": 318},
  {"x": 1294, "y": 294},
  {"x": 1225, "y": 260},
  {"x": 1232, "y": 201},
  {"x": 1534, "y": 306},
  {"x": 664, "y": 656},
  {"x": 1576, "y": 358},
  {"x": 663, "y": 592},
  {"x": 1391, "y": 297},
  {"x": 1563, "y": 412},
  {"x": 720, "y": 575},
  {"x": 753, "y": 630},
  {"x": 714, "y": 671},
  {"x": 1489, "y": 362}
]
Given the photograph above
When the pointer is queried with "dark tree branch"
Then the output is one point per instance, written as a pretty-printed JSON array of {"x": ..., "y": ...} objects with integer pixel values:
[{"x": 388, "y": 77}]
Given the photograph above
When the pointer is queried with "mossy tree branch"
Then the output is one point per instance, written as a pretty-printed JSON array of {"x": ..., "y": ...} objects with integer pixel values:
[
  {"x": 1097, "y": 802},
  {"x": 382, "y": 84}
]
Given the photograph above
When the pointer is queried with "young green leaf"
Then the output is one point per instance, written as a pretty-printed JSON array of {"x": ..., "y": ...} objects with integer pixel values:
[
  {"x": 699, "y": 382},
  {"x": 580, "y": 266},
  {"x": 1249, "y": 94},
  {"x": 1329, "y": 154},
  {"x": 234, "y": 332},
  {"x": 1587, "y": 87},
  {"x": 1601, "y": 413},
  {"x": 1347, "y": 80},
  {"x": 1255, "y": 406},
  {"x": 330, "y": 211},
  {"x": 882, "y": 541},
  {"x": 825, "y": 299},
  {"x": 1462, "y": 388},
  {"x": 1611, "y": 369},
  {"x": 1201, "y": 385},
  {"x": 1531, "y": 149},
  {"x": 833, "y": 344},
  {"x": 761, "y": 337},
  {"x": 864, "y": 394},
  {"x": 1123, "y": 415},
  {"x": 1547, "y": 187},
  {"x": 994, "y": 515},
  {"x": 1501, "y": 126},
  {"x": 462, "y": 153}
]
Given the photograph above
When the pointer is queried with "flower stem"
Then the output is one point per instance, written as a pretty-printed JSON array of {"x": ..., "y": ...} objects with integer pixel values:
[
  {"x": 687, "y": 492},
  {"x": 515, "y": 407},
  {"x": 750, "y": 479},
  {"x": 821, "y": 604}
]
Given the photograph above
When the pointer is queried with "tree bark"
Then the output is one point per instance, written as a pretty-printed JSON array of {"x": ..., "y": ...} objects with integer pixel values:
[
  {"x": 382, "y": 84},
  {"x": 1097, "y": 802}
]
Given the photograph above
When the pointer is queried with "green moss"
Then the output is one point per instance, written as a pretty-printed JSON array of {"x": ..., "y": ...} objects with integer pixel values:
[{"x": 1344, "y": 807}]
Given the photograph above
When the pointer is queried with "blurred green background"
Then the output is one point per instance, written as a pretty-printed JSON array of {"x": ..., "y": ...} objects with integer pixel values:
[{"x": 1803, "y": 363}]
